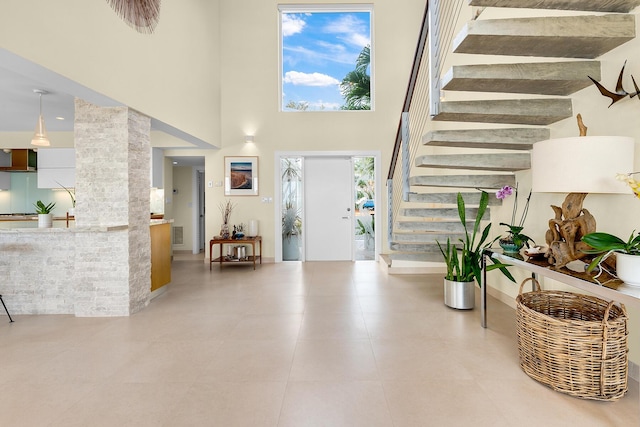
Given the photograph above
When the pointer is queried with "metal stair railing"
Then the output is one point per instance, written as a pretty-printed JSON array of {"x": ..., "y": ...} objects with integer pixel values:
[{"x": 416, "y": 111}]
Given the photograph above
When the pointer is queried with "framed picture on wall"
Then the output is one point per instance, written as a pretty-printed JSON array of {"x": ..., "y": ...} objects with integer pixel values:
[{"x": 241, "y": 176}]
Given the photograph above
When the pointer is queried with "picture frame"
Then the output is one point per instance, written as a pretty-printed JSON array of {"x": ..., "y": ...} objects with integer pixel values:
[{"x": 241, "y": 176}]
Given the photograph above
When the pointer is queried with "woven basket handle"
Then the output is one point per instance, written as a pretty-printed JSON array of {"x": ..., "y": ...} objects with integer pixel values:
[
  {"x": 533, "y": 279},
  {"x": 605, "y": 339}
]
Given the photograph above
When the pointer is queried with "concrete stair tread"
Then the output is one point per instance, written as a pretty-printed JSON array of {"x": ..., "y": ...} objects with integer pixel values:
[
  {"x": 546, "y": 78},
  {"x": 619, "y": 6},
  {"x": 442, "y": 213},
  {"x": 510, "y": 139},
  {"x": 470, "y": 199},
  {"x": 587, "y": 36},
  {"x": 511, "y": 111},
  {"x": 488, "y": 181},
  {"x": 431, "y": 226},
  {"x": 490, "y": 162},
  {"x": 425, "y": 237}
]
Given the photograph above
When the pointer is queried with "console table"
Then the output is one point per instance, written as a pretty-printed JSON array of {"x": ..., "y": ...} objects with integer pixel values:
[
  {"x": 611, "y": 289},
  {"x": 245, "y": 240}
]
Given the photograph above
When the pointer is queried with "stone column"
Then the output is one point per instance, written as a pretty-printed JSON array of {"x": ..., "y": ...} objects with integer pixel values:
[{"x": 113, "y": 252}]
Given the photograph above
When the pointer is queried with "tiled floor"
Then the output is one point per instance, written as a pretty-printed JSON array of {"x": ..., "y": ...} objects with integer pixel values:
[{"x": 292, "y": 344}]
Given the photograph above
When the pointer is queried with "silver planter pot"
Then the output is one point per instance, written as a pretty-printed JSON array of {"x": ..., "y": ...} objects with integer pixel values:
[{"x": 460, "y": 295}]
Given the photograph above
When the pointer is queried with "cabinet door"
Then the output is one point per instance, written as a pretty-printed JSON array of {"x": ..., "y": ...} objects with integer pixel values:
[{"x": 56, "y": 167}]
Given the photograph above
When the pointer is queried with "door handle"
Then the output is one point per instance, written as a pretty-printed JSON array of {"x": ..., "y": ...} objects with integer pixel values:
[{"x": 345, "y": 217}]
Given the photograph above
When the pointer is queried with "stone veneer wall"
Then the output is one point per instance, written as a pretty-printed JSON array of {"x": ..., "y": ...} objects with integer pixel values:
[
  {"x": 102, "y": 267},
  {"x": 37, "y": 271},
  {"x": 113, "y": 271}
]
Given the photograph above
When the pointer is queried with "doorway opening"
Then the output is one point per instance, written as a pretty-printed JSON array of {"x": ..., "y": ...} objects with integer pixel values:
[
  {"x": 291, "y": 174},
  {"x": 325, "y": 205},
  {"x": 365, "y": 195}
]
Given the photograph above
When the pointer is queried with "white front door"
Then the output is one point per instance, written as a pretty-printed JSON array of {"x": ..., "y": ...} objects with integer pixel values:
[{"x": 328, "y": 195}]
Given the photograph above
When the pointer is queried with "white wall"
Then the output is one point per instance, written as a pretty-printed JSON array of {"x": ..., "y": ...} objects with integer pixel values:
[
  {"x": 183, "y": 205},
  {"x": 250, "y": 100},
  {"x": 172, "y": 75}
]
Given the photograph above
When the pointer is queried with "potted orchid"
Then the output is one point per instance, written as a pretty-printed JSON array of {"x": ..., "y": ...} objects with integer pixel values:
[
  {"x": 515, "y": 240},
  {"x": 627, "y": 252}
]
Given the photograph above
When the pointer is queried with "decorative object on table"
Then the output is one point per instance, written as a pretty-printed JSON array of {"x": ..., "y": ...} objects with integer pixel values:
[
  {"x": 627, "y": 253},
  {"x": 238, "y": 231},
  {"x": 515, "y": 240},
  {"x": 241, "y": 176},
  {"x": 578, "y": 166},
  {"x": 253, "y": 227},
  {"x": 619, "y": 93},
  {"x": 225, "y": 209},
  {"x": 467, "y": 265},
  {"x": 575, "y": 344},
  {"x": 141, "y": 15},
  {"x": 45, "y": 217}
]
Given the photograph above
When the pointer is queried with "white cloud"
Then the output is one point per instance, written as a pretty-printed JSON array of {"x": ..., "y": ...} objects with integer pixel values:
[
  {"x": 305, "y": 79},
  {"x": 291, "y": 24},
  {"x": 352, "y": 29}
]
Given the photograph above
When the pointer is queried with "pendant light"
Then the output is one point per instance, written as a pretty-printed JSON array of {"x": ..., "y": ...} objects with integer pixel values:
[{"x": 40, "y": 135}]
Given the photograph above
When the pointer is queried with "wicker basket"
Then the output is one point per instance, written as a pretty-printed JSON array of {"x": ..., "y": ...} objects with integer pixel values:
[{"x": 575, "y": 344}]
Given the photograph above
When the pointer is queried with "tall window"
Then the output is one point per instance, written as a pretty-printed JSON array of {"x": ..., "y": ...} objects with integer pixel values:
[{"x": 326, "y": 55}]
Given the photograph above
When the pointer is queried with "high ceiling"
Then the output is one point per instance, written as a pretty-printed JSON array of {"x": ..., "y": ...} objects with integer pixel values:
[{"x": 19, "y": 105}]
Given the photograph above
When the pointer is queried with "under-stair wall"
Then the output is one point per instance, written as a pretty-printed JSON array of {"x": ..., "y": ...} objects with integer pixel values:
[{"x": 617, "y": 214}]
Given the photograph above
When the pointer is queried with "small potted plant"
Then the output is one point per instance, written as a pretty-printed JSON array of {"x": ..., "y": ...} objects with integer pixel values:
[
  {"x": 515, "y": 240},
  {"x": 45, "y": 218},
  {"x": 464, "y": 264},
  {"x": 627, "y": 252}
]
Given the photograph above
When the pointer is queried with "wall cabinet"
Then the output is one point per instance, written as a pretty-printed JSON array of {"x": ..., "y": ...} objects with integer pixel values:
[
  {"x": 5, "y": 181},
  {"x": 56, "y": 167}
]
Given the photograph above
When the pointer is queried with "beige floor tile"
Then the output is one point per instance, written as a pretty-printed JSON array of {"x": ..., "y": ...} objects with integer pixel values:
[
  {"x": 335, "y": 404},
  {"x": 229, "y": 404},
  {"x": 124, "y": 405},
  {"x": 324, "y": 360},
  {"x": 267, "y": 326},
  {"x": 319, "y": 325},
  {"x": 289, "y": 344},
  {"x": 251, "y": 360}
]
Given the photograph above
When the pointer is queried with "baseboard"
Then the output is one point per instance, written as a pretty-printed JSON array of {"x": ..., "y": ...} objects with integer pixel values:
[{"x": 398, "y": 267}]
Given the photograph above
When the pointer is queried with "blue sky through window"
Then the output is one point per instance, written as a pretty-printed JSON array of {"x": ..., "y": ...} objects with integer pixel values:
[{"x": 318, "y": 50}]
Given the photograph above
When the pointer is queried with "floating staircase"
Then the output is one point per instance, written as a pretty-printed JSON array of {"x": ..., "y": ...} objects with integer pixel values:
[{"x": 491, "y": 156}]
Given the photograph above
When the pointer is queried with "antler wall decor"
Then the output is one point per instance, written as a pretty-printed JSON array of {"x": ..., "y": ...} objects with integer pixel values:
[
  {"x": 141, "y": 15},
  {"x": 619, "y": 93}
]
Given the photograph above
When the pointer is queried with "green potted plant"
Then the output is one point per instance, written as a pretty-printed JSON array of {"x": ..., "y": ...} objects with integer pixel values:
[
  {"x": 627, "y": 252},
  {"x": 45, "y": 219},
  {"x": 464, "y": 263},
  {"x": 515, "y": 240}
]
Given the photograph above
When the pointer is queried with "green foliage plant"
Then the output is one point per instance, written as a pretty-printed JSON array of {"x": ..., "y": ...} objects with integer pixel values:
[
  {"x": 604, "y": 244},
  {"x": 464, "y": 263},
  {"x": 42, "y": 209}
]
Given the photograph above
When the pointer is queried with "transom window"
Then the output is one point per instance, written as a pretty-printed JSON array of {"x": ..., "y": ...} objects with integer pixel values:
[{"x": 326, "y": 58}]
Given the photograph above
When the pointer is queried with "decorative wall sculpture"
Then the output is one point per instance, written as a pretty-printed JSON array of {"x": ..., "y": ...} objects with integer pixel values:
[{"x": 141, "y": 15}]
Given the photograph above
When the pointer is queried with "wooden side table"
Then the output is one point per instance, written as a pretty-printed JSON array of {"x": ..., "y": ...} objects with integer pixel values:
[{"x": 222, "y": 259}]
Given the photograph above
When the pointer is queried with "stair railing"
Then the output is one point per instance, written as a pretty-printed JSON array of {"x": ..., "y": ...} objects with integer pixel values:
[{"x": 421, "y": 100}]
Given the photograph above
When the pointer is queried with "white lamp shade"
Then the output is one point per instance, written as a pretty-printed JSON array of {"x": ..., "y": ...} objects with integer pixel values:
[
  {"x": 584, "y": 164},
  {"x": 40, "y": 135}
]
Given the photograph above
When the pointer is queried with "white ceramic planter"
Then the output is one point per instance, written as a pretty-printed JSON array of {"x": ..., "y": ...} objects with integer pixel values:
[
  {"x": 45, "y": 220},
  {"x": 628, "y": 268},
  {"x": 459, "y": 295}
]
